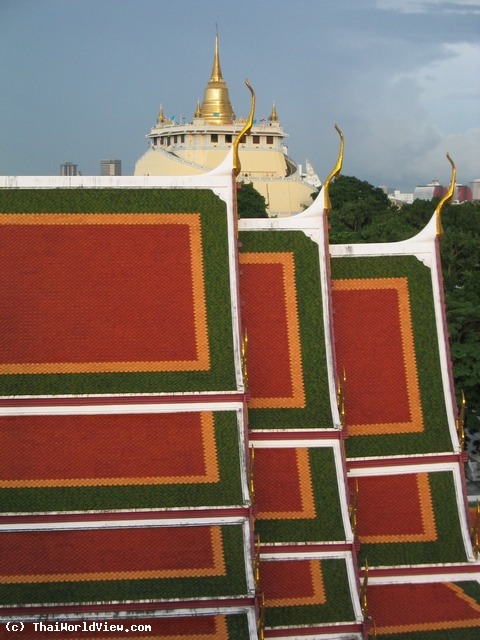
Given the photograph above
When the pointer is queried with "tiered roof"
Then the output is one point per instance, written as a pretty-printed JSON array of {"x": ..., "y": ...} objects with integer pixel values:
[
  {"x": 209, "y": 425},
  {"x": 404, "y": 456},
  {"x": 307, "y": 554},
  {"x": 282, "y": 314},
  {"x": 124, "y": 487}
]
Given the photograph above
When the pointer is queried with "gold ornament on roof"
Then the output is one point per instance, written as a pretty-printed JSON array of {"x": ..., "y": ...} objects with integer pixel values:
[
  {"x": 256, "y": 563},
  {"x": 251, "y": 484},
  {"x": 460, "y": 422},
  {"x": 335, "y": 172},
  {"x": 244, "y": 354},
  {"x": 446, "y": 198},
  {"x": 353, "y": 508},
  {"x": 248, "y": 125},
  {"x": 363, "y": 592}
]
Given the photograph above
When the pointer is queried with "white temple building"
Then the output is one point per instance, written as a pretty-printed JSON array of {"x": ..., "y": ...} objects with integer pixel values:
[{"x": 192, "y": 148}]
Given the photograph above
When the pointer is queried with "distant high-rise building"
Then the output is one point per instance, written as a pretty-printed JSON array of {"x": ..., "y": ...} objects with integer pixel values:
[
  {"x": 111, "y": 168},
  {"x": 476, "y": 189},
  {"x": 462, "y": 192},
  {"x": 69, "y": 169}
]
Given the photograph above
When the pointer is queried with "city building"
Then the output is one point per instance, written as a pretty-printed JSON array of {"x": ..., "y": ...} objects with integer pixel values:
[
  {"x": 476, "y": 189},
  {"x": 399, "y": 198},
  {"x": 197, "y": 146},
  {"x": 69, "y": 169},
  {"x": 434, "y": 189},
  {"x": 111, "y": 168}
]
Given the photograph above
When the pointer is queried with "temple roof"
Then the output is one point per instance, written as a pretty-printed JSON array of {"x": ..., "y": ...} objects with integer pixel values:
[{"x": 231, "y": 424}]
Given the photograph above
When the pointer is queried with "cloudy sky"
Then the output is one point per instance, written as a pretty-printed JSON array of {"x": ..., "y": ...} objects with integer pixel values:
[{"x": 82, "y": 80}]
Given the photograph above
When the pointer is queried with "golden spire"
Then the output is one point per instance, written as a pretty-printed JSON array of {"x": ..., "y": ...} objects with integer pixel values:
[
  {"x": 198, "y": 110},
  {"x": 216, "y": 107},
  {"x": 273, "y": 116},
  {"x": 160, "y": 117},
  {"x": 216, "y": 71}
]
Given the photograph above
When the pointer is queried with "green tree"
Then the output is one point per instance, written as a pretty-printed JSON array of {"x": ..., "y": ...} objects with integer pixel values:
[
  {"x": 251, "y": 204},
  {"x": 357, "y": 209},
  {"x": 460, "y": 251}
]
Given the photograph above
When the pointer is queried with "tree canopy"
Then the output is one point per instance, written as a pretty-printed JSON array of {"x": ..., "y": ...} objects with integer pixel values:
[
  {"x": 363, "y": 213},
  {"x": 251, "y": 203}
]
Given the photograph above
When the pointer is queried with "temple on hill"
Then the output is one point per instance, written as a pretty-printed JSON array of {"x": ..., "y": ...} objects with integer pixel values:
[
  {"x": 195, "y": 147},
  {"x": 224, "y": 429}
]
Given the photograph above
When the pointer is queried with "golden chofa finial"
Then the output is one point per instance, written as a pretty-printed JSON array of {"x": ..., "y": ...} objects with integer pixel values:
[
  {"x": 446, "y": 198},
  {"x": 273, "y": 116},
  {"x": 335, "y": 172},
  {"x": 246, "y": 128}
]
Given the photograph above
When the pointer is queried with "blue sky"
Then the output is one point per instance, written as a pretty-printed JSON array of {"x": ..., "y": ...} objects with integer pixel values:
[{"x": 82, "y": 80}]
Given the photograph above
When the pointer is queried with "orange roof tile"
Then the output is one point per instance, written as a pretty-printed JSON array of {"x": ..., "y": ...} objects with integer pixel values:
[
  {"x": 107, "y": 450},
  {"x": 374, "y": 345},
  {"x": 395, "y": 508},
  {"x": 292, "y": 583},
  {"x": 288, "y": 469},
  {"x": 200, "y": 627},
  {"x": 403, "y": 608},
  {"x": 128, "y": 553},
  {"x": 93, "y": 293},
  {"x": 271, "y": 319}
]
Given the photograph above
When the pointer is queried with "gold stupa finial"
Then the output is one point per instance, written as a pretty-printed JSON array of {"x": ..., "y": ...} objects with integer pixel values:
[
  {"x": 273, "y": 116},
  {"x": 246, "y": 128},
  {"x": 335, "y": 172},
  {"x": 216, "y": 107},
  {"x": 160, "y": 117},
  {"x": 446, "y": 198},
  {"x": 216, "y": 71},
  {"x": 198, "y": 110}
]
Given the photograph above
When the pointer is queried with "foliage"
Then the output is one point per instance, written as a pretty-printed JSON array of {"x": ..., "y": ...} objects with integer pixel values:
[
  {"x": 363, "y": 213},
  {"x": 460, "y": 249},
  {"x": 251, "y": 203}
]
